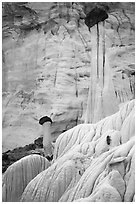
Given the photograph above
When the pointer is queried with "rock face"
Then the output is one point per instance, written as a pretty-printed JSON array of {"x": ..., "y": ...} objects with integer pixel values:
[
  {"x": 102, "y": 99},
  {"x": 19, "y": 174},
  {"x": 88, "y": 132},
  {"x": 88, "y": 167},
  {"x": 47, "y": 66}
]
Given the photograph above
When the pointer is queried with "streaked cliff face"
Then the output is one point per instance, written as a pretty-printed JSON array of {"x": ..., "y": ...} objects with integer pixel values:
[{"x": 47, "y": 64}]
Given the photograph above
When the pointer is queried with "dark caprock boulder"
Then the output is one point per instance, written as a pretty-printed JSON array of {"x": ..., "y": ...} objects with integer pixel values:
[{"x": 95, "y": 16}]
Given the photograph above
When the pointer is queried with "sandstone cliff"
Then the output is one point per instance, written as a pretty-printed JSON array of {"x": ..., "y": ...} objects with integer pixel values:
[{"x": 47, "y": 66}]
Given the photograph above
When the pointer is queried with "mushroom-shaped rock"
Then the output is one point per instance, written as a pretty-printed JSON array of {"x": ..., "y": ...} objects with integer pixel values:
[
  {"x": 19, "y": 174},
  {"x": 81, "y": 172},
  {"x": 46, "y": 122}
]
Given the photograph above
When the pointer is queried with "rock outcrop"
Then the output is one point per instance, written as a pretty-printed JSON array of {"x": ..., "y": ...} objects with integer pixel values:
[
  {"x": 97, "y": 165},
  {"x": 19, "y": 174},
  {"x": 41, "y": 62},
  {"x": 60, "y": 63},
  {"x": 113, "y": 126}
]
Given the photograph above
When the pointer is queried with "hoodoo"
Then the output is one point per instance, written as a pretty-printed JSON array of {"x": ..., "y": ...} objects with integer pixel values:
[{"x": 47, "y": 140}]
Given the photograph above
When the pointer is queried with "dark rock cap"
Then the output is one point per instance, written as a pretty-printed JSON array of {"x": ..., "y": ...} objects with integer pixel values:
[
  {"x": 44, "y": 119},
  {"x": 95, "y": 16}
]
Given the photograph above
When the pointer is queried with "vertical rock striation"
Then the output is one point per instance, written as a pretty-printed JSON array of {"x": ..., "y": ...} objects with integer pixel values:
[
  {"x": 41, "y": 62},
  {"x": 86, "y": 171}
]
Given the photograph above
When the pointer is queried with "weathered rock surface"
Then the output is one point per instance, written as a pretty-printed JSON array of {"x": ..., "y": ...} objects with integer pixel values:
[
  {"x": 111, "y": 126},
  {"x": 84, "y": 173},
  {"x": 51, "y": 67},
  {"x": 48, "y": 72},
  {"x": 19, "y": 174}
]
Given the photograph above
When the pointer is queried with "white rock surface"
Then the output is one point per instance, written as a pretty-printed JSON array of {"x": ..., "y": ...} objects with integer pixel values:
[
  {"x": 82, "y": 173},
  {"x": 45, "y": 74},
  {"x": 19, "y": 174}
]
